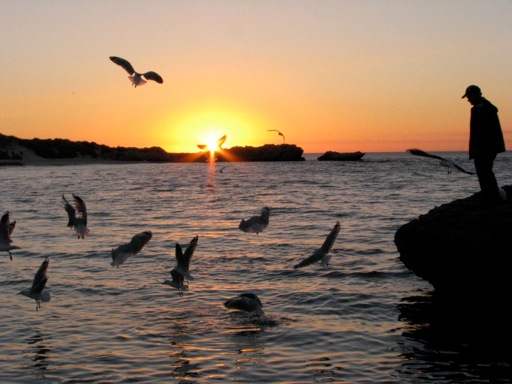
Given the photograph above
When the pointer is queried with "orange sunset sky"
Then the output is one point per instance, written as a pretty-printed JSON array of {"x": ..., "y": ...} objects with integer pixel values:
[{"x": 341, "y": 75}]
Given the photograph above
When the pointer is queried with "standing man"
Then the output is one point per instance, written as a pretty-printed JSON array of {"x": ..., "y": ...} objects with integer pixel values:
[{"x": 485, "y": 142}]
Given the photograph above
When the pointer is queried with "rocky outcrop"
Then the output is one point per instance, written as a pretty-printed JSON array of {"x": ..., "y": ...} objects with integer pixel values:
[
  {"x": 461, "y": 247},
  {"x": 341, "y": 156},
  {"x": 267, "y": 152}
]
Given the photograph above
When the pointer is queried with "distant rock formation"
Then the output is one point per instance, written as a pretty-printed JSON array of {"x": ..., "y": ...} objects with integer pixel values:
[
  {"x": 461, "y": 247},
  {"x": 341, "y": 156},
  {"x": 21, "y": 151}
]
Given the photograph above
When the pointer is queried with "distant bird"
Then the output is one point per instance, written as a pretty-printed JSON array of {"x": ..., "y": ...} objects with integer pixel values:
[
  {"x": 256, "y": 224},
  {"x": 322, "y": 253},
  {"x": 222, "y": 170},
  {"x": 279, "y": 133},
  {"x": 37, "y": 290},
  {"x": 443, "y": 162},
  {"x": 124, "y": 251},
  {"x": 135, "y": 77},
  {"x": 219, "y": 143},
  {"x": 246, "y": 302},
  {"x": 77, "y": 222},
  {"x": 6, "y": 228}
]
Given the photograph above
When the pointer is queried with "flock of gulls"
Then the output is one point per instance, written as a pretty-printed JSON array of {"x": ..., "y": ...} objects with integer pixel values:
[{"x": 180, "y": 274}]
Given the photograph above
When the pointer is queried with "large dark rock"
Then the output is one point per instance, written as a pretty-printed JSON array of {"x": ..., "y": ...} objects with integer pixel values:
[{"x": 461, "y": 247}]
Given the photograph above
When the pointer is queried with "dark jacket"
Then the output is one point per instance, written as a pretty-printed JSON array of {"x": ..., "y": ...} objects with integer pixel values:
[{"x": 485, "y": 135}]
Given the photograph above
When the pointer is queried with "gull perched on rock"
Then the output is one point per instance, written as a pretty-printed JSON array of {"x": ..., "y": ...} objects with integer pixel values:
[
  {"x": 6, "y": 228},
  {"x": 322, "y": 253},
  {"x": 135, "y": 77},
  {"x": 256, "y": 224},
  {"x": 443, "y": 162},
  {"x": 124, "y": 251},
  {"x": 37, "y": 290},
  {"x": 246, "y": 302},
  {"x": 181, "y": 271},
  {"x": 78, "y": 222}
]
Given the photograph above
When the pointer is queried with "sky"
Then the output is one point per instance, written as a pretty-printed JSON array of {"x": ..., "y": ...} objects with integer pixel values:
[{"x": 330, "y": 75}]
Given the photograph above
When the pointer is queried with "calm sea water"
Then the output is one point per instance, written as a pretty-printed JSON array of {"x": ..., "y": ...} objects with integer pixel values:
[{"x": 363, "y": 319}]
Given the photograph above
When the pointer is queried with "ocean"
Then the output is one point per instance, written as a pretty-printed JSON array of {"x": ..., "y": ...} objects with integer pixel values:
[{"x": 364, "y": 318}]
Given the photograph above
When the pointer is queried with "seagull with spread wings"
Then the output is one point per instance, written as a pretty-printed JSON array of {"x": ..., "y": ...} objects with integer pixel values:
[
  {"x": 279, "y": 133},
  {"x": 182, "y": 270},
  {"x": 322, "y": 253},
  {"x": 443, "y": 161},
  {"x": 6, "y": 228},
  {"x": 37, "y": 290},
  {"x": 124, "y": 251},
  {"x": 135, "y": 77},
  {"x": 77, "y": 215}
]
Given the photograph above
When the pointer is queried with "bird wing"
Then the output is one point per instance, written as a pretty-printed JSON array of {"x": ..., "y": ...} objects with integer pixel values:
[
  {"x": 419, "y": 152},
  {"x": 80, "y": 207},
  {"x": 125, "y": 64},
  {"x": 180, "y": 258},
  {"x": 189, "y": 251},
  {"x": 221, "y": 141},
  {"x": 331, "y": 238},
  {"x": 139, "y": 241},
  {"x": 316, "y": 256},
  {"x": 70, "y": 210},
  {"x": 40, "y": 277},
  {"x": 462, "y": 169},
  {"x": 5, "y": 237},
  {"x": 153, "y": 76}
]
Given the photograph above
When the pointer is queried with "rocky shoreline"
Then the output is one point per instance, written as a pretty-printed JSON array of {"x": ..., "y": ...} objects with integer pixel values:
[{"x": 15, "y": 151}]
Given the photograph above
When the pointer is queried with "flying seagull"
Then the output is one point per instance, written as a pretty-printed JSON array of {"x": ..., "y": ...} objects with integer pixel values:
[
  {"x": 181, "y": 271},
  {"x": 78, "y": 222},
  {"x": 443, "y": 162},
  {"x": 6, "y": 228},
  {"x": 279, "y": 133},
  {"x": 124, "y": 251},
  {"x": 256, "y": 224},
  {"x": 246, "y": 302},
  {"x": 36, "y": 291},
  {"x": 135, "y": 77},
  {"x": 219, "y": 143},
  {"x": 322, "y": 253}
]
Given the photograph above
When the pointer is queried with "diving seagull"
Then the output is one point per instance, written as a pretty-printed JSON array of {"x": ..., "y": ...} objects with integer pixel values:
[
  {"x": 6, "y": 228},
  {"x": 124, "y": 251},
  {"x": 135, "y": 77},
  {"x": 37, "y": 290},
  {"x": 77, "y": 215},
  {"x": 322, "y": 253},
  {"x": 443, "y": 162},
  {"x": 278, "y": 132},
  {"x": 256, "y": 224},
  {"x": 181, "y": 272},
  {"x": 246, "y": 302}
]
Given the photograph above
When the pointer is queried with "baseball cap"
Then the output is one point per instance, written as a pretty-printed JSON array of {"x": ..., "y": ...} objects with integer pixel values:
[{"x": 472, "y": 90}]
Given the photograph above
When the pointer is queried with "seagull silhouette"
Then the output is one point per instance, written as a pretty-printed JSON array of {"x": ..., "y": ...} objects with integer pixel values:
[
  {"x": 246, "y": 302},
  {"x": 124, "y": 251},
  {"x": 181, "y": 271},
  {"x": 37, "y": 290},
  {"x": 135, "y": 77},
  {"x": 77, "y": 222},
  {"x": 279, "y": 133},
  {"x": 256, "y": 224},
  {"x": 443, "y": 161},
  {"x": 6, "y": 228},
  {"x": 322, "y": 253},
  {"x": 219, "y": 143}
]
